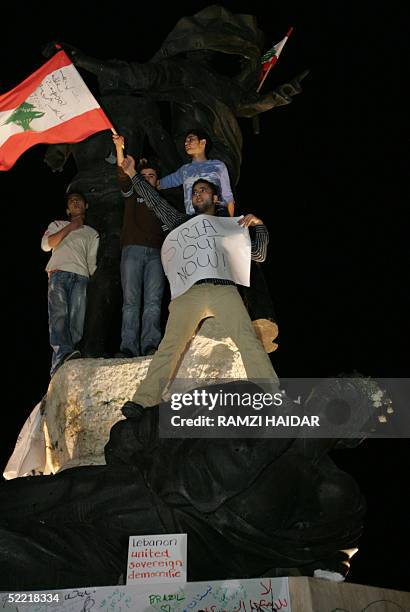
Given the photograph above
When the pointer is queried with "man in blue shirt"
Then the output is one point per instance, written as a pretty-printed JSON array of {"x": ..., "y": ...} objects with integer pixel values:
[{"x": 197, "y": 146}]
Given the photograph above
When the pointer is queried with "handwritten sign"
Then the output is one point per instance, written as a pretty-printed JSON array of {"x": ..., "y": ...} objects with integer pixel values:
[
  {"x": 206, "y": 247},
  {"x": 157, "y": 558},
  {"x": 261, "y": 595}
]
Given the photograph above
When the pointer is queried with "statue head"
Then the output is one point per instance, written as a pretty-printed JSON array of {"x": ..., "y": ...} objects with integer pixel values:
[
  {"x": 214, "y": 28},
  {"x": 204, "y": 56}
]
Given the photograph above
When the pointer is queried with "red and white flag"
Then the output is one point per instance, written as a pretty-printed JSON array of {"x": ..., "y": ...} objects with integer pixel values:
[
  {"x": 51, "y": 106},
  {"x": 269, "y": 59}
]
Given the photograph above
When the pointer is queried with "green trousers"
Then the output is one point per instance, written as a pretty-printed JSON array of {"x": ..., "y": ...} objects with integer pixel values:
[{"x": 186, "y": 312}]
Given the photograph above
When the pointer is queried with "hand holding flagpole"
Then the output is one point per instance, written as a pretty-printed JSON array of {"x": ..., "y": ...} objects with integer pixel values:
[{"x": 119, "y": 146}]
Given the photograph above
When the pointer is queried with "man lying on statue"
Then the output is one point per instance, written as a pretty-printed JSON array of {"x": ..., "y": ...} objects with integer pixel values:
[{"x": 215, "y": 297}]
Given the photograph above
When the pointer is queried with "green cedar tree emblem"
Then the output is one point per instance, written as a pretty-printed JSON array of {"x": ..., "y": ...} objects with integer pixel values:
[{"x": 24, "y": 115}]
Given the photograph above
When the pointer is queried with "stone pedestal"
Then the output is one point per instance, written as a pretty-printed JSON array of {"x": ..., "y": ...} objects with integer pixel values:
[{"x": 85, "y": 396}]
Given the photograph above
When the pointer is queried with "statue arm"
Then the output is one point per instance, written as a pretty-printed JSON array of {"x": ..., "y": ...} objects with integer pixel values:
[
  {"x": 113, "y": 74},
  {"x": 256, "y": 104}
]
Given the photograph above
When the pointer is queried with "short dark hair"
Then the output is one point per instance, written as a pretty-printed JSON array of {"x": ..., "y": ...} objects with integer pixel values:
[
  {"x": 145, "y": 163},
  {"x": 201, "y": 135},
  {"x": 70, "y": 193},
  {"x": 74, "y": 192},
  {"x": 214, "y": 188}
]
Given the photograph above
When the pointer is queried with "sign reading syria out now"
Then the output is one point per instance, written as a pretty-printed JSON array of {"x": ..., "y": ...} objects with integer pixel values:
[
  {"x": 157, "y": 558},
  {"x": 206, "y": 247}
]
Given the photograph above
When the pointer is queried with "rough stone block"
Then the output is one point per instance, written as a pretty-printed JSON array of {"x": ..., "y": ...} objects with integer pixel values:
[{"x": 85, "y": 396}]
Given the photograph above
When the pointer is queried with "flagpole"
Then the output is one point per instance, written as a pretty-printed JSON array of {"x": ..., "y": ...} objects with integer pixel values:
[
  {"x": 264, "y": 78},
  {"x": 289, "y": 32}
]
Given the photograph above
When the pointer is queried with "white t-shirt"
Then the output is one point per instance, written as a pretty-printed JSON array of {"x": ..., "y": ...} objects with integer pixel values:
[{"x": 77, "y": 252}]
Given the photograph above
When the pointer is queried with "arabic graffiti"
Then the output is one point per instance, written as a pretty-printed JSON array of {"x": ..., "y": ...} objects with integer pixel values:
[
  {"x": 192, "y": 605},
  {"x": 234, "y": 598}
]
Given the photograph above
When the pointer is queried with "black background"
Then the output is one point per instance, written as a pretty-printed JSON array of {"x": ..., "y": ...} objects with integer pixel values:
[{"x": 326, "y": 174}]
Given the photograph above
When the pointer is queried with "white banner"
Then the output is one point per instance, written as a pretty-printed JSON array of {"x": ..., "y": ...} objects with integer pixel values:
[
  {"x": 29, "y": 455},
  {"x": 206, "y": 247},
  {"x": 248, "y": 595}
]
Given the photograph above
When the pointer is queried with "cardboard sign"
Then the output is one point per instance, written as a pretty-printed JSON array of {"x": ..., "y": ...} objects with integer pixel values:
[
  {"x": 157, "y": 558},
  {"x": 206, "y": 247}
]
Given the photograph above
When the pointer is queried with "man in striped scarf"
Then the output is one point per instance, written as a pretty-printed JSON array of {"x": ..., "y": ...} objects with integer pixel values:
[{"x": 216, "y": 297}]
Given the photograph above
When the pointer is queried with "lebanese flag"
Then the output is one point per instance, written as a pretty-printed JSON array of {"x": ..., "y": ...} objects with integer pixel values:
[
  {"x": 51, "y": 106},
  {"x": 269, "y": 59}
]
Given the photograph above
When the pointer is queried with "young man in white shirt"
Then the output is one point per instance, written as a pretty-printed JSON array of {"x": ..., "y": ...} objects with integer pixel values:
[{"x": 74, "y": 259}]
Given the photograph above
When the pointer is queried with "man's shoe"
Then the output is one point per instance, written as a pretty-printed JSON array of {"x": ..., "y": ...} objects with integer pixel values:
[
  {"x": 131, "y": 410},
  {"x": 150, "y": 351},
  {"x": 72, "y": 355},
  {"x": 124, "y": 354}
]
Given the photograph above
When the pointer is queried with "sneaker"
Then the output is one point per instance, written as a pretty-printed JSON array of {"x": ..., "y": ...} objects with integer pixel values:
[
  {"x": 72, "y": 355},
  {"x": 124, "y": 354}
]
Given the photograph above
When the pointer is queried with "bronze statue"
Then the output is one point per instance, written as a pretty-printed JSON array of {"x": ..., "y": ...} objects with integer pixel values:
[
  {"x": 185, "y": 75},
  {"x": 251, "y": 507}
]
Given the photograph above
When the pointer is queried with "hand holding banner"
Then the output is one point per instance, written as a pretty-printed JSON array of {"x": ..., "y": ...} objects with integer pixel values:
[{"x": 206, "y": 247}]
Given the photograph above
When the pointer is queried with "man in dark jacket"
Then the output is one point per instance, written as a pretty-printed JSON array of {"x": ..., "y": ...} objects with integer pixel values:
[{"x": 142, "y": 276}]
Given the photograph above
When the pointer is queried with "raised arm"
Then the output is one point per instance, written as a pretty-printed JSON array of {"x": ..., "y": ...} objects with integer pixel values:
[
  {"x": 124, "y": 180},
  {"x": 260, "y": 239},
  {"x": 167, "y": 214}
]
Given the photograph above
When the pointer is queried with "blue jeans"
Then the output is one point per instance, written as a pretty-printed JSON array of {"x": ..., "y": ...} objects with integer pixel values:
[
  {"x": 67, "y": 298},
  {"x": 143, "y": 282}
]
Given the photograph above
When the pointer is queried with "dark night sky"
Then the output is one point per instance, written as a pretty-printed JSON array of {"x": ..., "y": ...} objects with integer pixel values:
[{"x": 326, "y": 175}]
